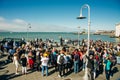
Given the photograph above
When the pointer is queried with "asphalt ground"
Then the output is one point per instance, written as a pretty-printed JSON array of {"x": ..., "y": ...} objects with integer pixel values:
[{"x": 7, "y": 72}]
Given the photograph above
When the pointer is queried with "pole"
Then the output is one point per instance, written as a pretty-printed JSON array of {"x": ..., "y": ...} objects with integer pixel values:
[
  {"x": 87, "y": 6},
  {"x": 88, "y": 27},
  {"x": 86, "y": 70},
  {"x": 78, "y": 36}
]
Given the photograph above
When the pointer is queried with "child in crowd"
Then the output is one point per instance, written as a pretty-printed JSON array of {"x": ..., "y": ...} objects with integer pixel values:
[{"x": 24, "y": 64}]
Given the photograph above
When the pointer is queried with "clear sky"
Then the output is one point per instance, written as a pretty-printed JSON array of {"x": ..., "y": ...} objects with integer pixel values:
[{"x": 57, "y": 15}]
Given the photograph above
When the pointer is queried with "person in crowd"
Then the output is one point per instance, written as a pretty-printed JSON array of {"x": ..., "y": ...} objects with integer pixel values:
[
  {"x": 84, "y": 61},
  {"x": 6, "y": 47},
  {"x": 118, "y": 47},
  {"x": 90, "y": 67},
  {"x": 44, "y": 63},
  {"x": 68, "y": 58},
  {"x": 61, "y": 41},
  {"x": 61, "y": 63},
  {"x": 1, "y": 48},
  {"x": 80, "y": 52},
  {"x": 54, "y": 58},
  {"x": 33, "y": 53},
  {"x": 10, "y": 56},
  {"x": 24, "y": 63},
  {"x": 105, "y": 54},
  {"x": 16, "y": 62},
  {"x": 96, "y": 61},
  {"x": 107, "y": 68},
  {"x": 30, "y": 60},
  {"x": 38, "y": 58},
  {"x": 76, "y": 61}
]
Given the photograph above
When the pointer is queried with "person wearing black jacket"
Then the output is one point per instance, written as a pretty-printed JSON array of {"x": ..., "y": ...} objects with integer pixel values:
[
  {"x": 38, "y": 60},
  {"x": 24, "y": 64},
  {"x": 90, "y": 67}
]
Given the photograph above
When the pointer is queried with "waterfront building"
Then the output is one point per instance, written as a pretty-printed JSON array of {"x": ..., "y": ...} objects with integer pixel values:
[{"x": 117, "y": 31}]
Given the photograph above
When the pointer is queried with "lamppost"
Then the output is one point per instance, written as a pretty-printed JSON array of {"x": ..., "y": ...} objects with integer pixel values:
[
  {"x": 28, "y": 27},
  {"x": 78, "y": 36},
  {"x": 81, "y": 17}
]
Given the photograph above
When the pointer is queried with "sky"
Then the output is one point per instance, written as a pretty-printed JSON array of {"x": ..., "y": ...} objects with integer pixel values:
[{"x": 58, "y": 15}]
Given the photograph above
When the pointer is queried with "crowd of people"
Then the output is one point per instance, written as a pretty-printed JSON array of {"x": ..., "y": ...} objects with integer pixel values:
[{"x": 39, "y": 55}]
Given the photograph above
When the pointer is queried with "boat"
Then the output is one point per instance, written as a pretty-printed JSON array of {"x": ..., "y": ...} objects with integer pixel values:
[
  {"x": 80, "y": 33},
  {"x": 96, "y": 33}
]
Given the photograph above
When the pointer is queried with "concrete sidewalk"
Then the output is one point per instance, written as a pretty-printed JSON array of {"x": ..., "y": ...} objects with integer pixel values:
[{"x": 7, "y": 72}]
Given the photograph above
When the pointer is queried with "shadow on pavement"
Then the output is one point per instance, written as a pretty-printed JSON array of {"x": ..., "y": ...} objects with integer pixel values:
[
  {"x": 51, "y": 72},
  {"x": 114, "y": 70},
  {"x": 2, "y": 67},
  {"x": 69, "y": 72},
  {"x": 8, "y": 76}
]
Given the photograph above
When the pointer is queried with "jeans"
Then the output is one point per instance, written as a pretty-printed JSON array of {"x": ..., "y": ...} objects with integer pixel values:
[
  {"x": 84, "y": 65},
  {"x": 44, "y": 68},
  {"x": 107, "y": 72},
  {"x": 76, "y": 66},
  {"x": 94, "y": 73},
  {"x": 61, "y": 69}
]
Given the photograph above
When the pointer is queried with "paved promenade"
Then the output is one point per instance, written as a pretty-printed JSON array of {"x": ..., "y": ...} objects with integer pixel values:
[{"x": 7, "y": 72}]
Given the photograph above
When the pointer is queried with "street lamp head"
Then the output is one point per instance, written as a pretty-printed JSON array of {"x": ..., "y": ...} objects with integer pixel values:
[{"x": 81, "y": 17}]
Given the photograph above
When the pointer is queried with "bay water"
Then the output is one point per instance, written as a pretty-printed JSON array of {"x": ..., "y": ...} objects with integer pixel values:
[{"x": 55, "y": 36}]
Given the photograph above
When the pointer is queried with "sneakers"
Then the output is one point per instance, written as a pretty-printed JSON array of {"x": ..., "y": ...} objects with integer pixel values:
[
  {"x": 59, "y": 76},
  {"x": 16, "y": 73},
  {"x": 24, "y": 73},
  {"x": 83, "y": 69}
]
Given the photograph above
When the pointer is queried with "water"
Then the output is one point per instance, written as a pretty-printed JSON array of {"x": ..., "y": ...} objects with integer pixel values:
[{"x": 55, "y": 36}]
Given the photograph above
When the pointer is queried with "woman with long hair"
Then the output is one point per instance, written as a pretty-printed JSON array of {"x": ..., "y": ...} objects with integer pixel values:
[{"x": 16, "y": 62}]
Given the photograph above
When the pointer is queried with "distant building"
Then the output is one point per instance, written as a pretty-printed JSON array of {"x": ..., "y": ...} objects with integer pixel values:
[
  {"x": 117, "y": 31},
  {"x": 105, "y": 32}
]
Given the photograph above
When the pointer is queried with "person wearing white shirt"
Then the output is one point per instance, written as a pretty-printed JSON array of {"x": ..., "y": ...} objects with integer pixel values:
[
  {"x": 44, "y": 64},
  {"x": 16, "y": 62}
]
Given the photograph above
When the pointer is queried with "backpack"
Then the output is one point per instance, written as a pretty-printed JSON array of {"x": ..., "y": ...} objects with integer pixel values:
[
  {"x": 61, "y": 60},
  {"x": 68, "y": 59}
]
